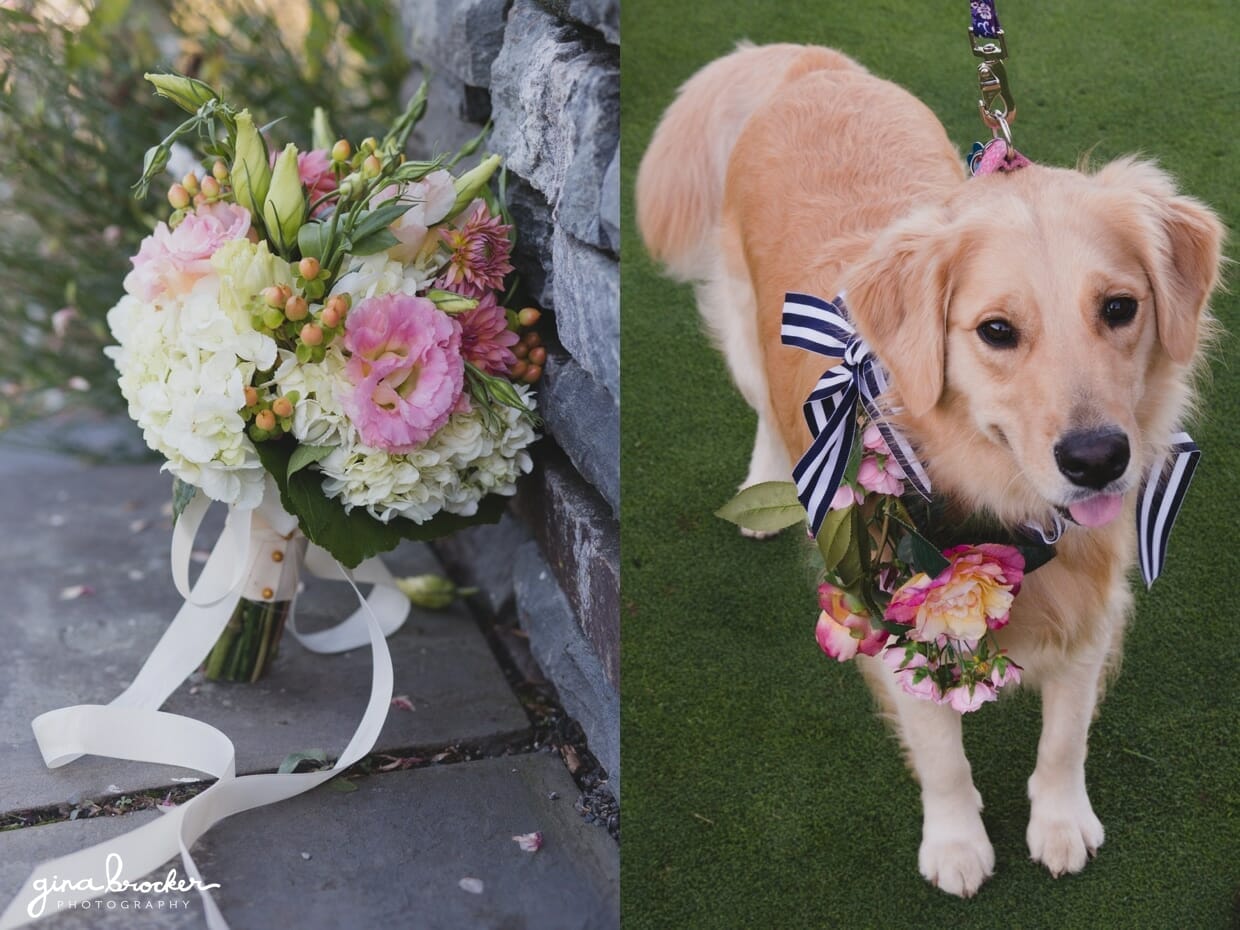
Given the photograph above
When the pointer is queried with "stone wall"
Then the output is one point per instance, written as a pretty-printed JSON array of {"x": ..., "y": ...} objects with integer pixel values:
[{"x": 546, "y": 72}]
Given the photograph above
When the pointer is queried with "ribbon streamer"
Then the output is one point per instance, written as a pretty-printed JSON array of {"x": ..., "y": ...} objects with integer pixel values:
[
  {"x": 133, "y": 728},
  {"x": 824, "y": 327}
]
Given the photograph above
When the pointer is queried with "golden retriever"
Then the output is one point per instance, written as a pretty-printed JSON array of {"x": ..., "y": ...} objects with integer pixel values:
[{"x": 1040, "y": 327}]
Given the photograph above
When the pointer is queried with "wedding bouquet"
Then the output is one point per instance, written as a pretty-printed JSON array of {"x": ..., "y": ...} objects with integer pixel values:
[{"x": 323, "y": 332}]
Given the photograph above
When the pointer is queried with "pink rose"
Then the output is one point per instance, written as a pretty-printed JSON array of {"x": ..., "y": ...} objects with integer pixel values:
[
  {"x": 840, "y": 633},
  {"x": 406, "y": 369},
  {"x": 170, "y": 261},
  {"x": 972, "y": 594},
  {"x": 880, "y": 478},
  {"x": 1005, "y": 673}
]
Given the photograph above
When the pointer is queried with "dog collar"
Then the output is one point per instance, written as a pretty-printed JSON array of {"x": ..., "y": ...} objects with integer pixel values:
[{"x": 831, "y": 411}]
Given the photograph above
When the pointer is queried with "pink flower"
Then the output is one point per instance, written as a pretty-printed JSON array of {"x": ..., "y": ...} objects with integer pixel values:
[
  {"x": 431, "y": 199},
  {"x": 841, "y": 634},
  {"x": 845, "y": 497},
  {"x": 406, "y": 369},
  {"x": 972, "y": 594},
  {"x": 486, "y": 340},
  {"x": 480, "y": 249},
  {"x": 880, "y": 478},
  {"x": 170, "y": 261},
  {"x": 905, "y": 664},
  {"x": 1004, "y": 673},
  {"x": 872, "y": 440},
  {"x": 964, "y": 698}
]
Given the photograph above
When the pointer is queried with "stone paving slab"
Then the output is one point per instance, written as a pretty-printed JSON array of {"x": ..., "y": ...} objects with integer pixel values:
[
  {"x": 66, "y": 524},
  {"x": 391, "y": 854}
]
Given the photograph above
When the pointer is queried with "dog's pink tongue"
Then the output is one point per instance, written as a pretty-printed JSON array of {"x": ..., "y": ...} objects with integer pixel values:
[{"x": 1097, "y": 511}]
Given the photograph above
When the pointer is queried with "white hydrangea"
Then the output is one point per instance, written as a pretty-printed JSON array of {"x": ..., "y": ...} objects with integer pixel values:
[
  {"x": 453, "y": 471},
  {"x": 318, "y": 419},
  {"x": 184, "y": 367},
  {"x": 375, "y": 275}
]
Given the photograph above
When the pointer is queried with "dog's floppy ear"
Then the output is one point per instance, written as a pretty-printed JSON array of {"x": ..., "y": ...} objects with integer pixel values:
[
  {"x": 1181, "y": 250},
  {"x": 898, "y": 296}
]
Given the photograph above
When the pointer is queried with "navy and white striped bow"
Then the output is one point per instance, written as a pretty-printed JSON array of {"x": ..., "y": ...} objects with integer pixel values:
[{"x": 831, "y": 411}]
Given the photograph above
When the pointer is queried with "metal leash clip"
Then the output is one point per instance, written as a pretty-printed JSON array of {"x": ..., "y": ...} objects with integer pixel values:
[{"x": 997, "y": 108}]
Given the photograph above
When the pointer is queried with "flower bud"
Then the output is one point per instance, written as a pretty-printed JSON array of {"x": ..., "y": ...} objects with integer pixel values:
[
  {"x": 251, "y": 171},
  {"x": 532, "y": 339},
  {"x": 282, "y": 407},
  {"x": 433, "y": 592},
  {"x": 190, "y": 183},
  {"x": 519, "y": 369},
  {"x": 311, "y": 334},
  {"x": 210, "y": 187},
  {"x": 273, "y": 296},
  {"x": 529, "y": 316},
  {"x": 265, "y": 420},
  {"x": 295, "y": 308},
  {"x": 251, "y": 396},
  {"x": 470, "y": 184},
  {"x": 538, "y": 356},
  {"x": 284, "y": 210},
  {"x": 450, "y": 302},
  {"x": 337, "y": 305},
  {"x": 309, "y": 268},
  {"x": 342, "y": 151},
  {"x": 371, "y": 166},
  {"x": 321, "y": 134},
  {"x": 532, "y": 374},
  {"x": 199, "y": 199},
  {"x": 178, "y": 196},
  {"x": 330, "y": 317},
  {"x": 520, "y": 350},
  {"x": 219, "y": 170},
  {"x": 185, "y": 92},
  {"x": 369, "y": 144}
]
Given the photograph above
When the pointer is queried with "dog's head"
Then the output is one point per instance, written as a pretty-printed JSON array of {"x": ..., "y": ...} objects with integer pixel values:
[{"x": 1040, "y": 328}]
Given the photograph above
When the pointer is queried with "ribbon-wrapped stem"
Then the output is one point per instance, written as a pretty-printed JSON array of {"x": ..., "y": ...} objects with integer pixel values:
[{"x": 251, "y": 638}]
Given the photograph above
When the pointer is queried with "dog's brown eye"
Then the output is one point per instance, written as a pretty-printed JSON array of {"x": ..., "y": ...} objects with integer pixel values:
[
  {"x": 1119, "y": 310},
  {"x": 998, "y": 333}
]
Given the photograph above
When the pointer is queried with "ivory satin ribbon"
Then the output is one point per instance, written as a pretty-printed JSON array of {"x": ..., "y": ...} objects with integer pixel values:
[{"x": 132, "y": 727}]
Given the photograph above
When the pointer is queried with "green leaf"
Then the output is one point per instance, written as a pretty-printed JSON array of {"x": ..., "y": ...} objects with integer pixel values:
[
  {"x": 920, "y": 553},
  {"x": 355, "y": 536},
  {"x": 379, "y": 218},
  {"x": 313, "y": 240},
  {"x": 765, "y": 507},
  {"x": 294, "y": 759},
  {"x": 835, "y": 537},
  {"x": 304, "y": 456},
  {"x": 379, "y": 241},
  {"x": 182, "y": 493},
  {"x": 341, "y": 784}
]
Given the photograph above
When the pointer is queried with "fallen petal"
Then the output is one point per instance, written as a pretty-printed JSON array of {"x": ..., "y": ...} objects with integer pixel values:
[
  {"x": 472, "y": 885},
  {"x": 402, "y": 702},
  {"x": 73, "y": 592},
  {"x": 529, "y": 842}
]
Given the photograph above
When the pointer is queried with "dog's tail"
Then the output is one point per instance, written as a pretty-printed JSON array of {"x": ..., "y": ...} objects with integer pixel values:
[{"x": 681, "y": 179}]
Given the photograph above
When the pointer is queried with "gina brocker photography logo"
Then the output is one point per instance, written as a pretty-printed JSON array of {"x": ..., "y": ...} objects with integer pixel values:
[{"x": 148, "y": 895}]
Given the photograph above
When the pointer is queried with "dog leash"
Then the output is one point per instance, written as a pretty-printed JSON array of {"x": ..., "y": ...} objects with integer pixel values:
[{"x": 995, "y": 102}]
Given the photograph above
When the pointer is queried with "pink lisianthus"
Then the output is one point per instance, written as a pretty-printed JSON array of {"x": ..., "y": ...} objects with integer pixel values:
[
  {"x": 430, "y": 201},
  {"x": 406, "y": 369},
  {"x": 880, "y": 478},
  {"x": 480, "y": 249},
  {"x": 170, "y": 261},
  {"x": 974, "y": 593},
  {"x": 964, "y": 698},
  {"x": 905, "y": 663},
  {"x": 840, "y": 633}
]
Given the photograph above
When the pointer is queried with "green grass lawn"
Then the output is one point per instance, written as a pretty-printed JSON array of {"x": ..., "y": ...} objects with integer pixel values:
[{"x": 761, "y": 791}]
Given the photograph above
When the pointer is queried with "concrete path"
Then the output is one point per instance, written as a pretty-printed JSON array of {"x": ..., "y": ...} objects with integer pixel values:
[{"x": 393, "y": 852}]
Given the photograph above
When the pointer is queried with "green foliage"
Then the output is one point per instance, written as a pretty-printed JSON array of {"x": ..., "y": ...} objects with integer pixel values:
[
  {"x": 77, "y": 119},
  {"x": 766, "y": 507}
]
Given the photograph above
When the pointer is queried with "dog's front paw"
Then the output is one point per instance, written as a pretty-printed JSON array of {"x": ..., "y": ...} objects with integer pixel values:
[
  {"x": 957, "y": 858},
  {"x": 1063, "y": 833}
]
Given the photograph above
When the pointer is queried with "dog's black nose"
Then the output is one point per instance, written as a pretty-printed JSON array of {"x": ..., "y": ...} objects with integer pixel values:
[{"x": 1092, "y": 458}]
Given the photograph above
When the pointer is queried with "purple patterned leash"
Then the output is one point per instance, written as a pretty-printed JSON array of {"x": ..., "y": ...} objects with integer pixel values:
[
  {"x": 985, "y": 19},
  {"x": 995, "y": 103}
]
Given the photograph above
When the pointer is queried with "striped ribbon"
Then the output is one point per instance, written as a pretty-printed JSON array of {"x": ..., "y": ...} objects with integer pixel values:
[
  {"x": 824, "y": 327},
  {"x": 831, "y": 409}
]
